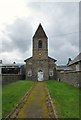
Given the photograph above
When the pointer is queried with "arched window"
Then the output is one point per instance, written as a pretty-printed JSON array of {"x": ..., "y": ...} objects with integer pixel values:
[
  {"x": 50, "y": 72},
  {"x": 40, "y": 44},
  {"x": 29, "y": 73}
]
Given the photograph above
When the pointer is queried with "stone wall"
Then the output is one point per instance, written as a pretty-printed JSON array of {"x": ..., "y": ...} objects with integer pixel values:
[
  {"x": 9, "y": 78},
  {"x": 40, "y": 65},
  {"x": 73, "y": 78}
]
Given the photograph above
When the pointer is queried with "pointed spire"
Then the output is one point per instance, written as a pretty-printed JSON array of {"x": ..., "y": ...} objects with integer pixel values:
[{"x": 40, "y": 32}]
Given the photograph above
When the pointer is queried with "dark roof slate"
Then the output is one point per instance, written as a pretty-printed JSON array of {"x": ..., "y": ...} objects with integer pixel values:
[
  {"x": 40, "y": 32},
  {"x": 77, "y": 59},
  {"x": 28, "y": 59},
  {"x": 52, "y": 59},
  {"x": 32, "y": 57},
  {"x": 64, "y": 68}
]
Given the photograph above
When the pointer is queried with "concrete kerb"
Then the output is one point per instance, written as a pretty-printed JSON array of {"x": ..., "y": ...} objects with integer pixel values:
[
  {"x": 15, "y": 111},
  {"x": 52, "y": 110}
]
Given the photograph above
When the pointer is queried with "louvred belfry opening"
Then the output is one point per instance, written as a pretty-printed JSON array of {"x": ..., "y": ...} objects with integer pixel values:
[{"x": 40, "y": 44}]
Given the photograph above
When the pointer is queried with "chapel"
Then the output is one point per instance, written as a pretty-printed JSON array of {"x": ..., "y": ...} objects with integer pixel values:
[{"x": 40, "y": 66}]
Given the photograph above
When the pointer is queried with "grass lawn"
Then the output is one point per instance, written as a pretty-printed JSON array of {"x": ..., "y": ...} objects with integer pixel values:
[
  {"x": 12, "y": 93},
  {"x": 65, "y": 98},
  {"x": 0, "y": 102}
]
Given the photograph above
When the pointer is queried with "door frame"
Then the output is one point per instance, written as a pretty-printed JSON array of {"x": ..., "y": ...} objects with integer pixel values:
[{"x": 40, "y": 76}]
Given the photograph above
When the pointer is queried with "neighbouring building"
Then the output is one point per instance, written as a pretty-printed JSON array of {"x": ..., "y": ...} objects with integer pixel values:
[
  {"x": 40, "y": 66},
  {"x": 71, "y": 73},
  {"x": 63, "y": 68},
  {"x": 11, "y": 68},
  {"x": 75, "y": 64}
]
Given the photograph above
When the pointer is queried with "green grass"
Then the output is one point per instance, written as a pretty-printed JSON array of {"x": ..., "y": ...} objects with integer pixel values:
[
  {"x": 0, "y": 102},
  {"x": 66, "y": 99},
  {"x": 12, "y": 93}
]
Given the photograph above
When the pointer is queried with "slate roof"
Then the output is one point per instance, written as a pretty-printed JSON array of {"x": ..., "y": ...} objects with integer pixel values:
[
  {"x": 40, "y": 32},
  {"x": 28, "y": 59},
  {"x": 77, "y": 59},
  {"x": 63, "y": 67},
  {"x": 10, "y": 65},
  {"x": 52, "y": 59}
]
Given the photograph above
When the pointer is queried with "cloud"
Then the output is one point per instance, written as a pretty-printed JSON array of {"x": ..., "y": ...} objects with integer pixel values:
[
  {"x": 60, "y": 22},
  {"x": 80, "y": 26},
  {"x": 11, "y": 9},
  {"x": 17, "y": 39},
  {"x": 18, "y": 36}
]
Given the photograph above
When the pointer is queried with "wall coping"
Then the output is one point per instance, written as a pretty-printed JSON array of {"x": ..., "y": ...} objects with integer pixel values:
[
  {"x": 9, "y": 74},
  {"x": 70, "y": 72}
]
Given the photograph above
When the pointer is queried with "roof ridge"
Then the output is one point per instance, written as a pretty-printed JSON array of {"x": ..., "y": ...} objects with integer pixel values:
[{"x": 40, "y": 32}]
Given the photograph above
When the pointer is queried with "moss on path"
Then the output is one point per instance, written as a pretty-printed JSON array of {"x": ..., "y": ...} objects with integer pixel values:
[{"x": 35, "y": 105}]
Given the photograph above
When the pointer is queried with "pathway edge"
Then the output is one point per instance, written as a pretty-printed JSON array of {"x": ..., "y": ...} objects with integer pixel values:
[
  {"x": 52, "y": 104},
  {"x": 20, "y": 103}
]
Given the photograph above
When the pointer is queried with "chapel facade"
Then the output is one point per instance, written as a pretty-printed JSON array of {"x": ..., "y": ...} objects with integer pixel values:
[{"x": 40, "y": 66}]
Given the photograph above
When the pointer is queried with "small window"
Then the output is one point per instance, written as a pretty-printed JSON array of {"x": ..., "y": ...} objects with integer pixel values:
[
  {"x": 40, "y": 44},
  {"x": 50, "y": 73},
  {"x": 29, "y": 73},
  {"x": 77, "y": 67}
]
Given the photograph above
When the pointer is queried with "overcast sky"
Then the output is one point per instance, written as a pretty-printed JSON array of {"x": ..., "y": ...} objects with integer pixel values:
[{"x": 19, "y": 20}]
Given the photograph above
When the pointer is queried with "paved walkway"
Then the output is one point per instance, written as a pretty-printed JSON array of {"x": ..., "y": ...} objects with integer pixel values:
[{"x": 35, "y": 105}]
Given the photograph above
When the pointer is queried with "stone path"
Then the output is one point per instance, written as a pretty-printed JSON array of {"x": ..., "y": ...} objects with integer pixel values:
[{"x": 35, "y": 106}]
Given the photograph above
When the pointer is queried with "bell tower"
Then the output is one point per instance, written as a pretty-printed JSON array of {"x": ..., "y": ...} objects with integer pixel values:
[
  {"x": 40, "y": 66},
  {"x": 40, "y": 44}
]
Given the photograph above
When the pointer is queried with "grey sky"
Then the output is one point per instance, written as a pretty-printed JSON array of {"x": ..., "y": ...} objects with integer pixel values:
[{"x": 59, "y": 20}]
